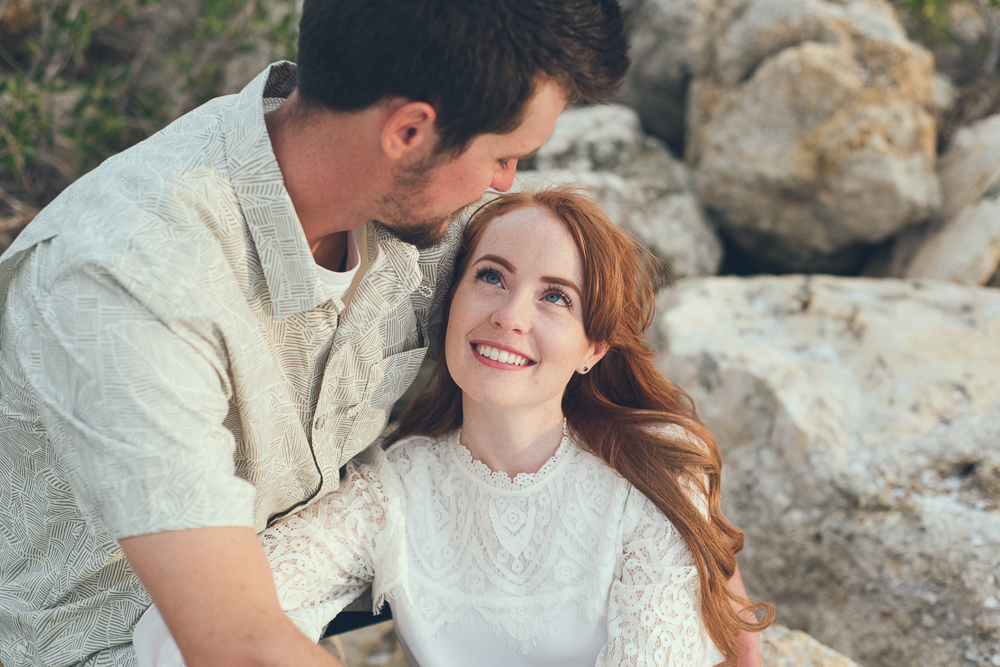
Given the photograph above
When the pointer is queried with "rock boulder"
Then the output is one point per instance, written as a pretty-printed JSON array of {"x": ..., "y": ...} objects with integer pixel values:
[
  {"x": 781, "y": 647},
  {"x": 667, "y": 40},
  {"x": 963, "y": 244},
  {"x": 640, "y": 185},
  {"x": 860, "y": 421},
  {"x": 811, "y": 129}
]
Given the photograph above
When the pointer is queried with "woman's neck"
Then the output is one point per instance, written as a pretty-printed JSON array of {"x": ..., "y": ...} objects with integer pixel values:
[{"x": 511, "y": 441}]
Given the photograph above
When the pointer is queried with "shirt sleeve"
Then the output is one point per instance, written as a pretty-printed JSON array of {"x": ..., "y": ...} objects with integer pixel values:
[
  {"x": 324, "y": 556},
  {"x": 132, "y": 402},
  {"x": 653, "y": 611}
]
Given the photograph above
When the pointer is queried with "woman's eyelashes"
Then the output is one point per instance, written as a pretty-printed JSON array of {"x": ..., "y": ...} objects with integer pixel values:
[
  {"x": 489, "y": 275},
  {"x": 553, "y": 294}
]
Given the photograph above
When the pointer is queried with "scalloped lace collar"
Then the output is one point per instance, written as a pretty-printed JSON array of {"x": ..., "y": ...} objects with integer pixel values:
[{"x": 501, "y": 480}]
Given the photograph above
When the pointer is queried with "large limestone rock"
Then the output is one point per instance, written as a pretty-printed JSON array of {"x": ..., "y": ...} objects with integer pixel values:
[
  {"x": 667, "y": 39},
  {"x": 860, "y": 421},
  {"x": 781, "y": 647},
  {"x": 811, "y": 129},
  {"x": 963, "y": 244},
  {"x": 641, "y": 187}
]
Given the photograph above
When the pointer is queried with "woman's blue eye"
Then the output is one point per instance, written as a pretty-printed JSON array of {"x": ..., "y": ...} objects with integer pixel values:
[
  {"x": 488, "y": 276},
  {"x": 554, "y": 297}
]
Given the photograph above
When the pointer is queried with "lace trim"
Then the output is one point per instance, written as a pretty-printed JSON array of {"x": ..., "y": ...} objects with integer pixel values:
[{"x": 500, "y": 480}]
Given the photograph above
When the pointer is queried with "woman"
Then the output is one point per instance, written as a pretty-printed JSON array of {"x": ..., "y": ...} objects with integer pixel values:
[{"x": 551, "y": 499}]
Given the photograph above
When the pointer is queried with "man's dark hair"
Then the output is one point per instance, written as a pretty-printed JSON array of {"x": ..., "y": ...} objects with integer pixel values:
[{"x": 477, "y": 62}]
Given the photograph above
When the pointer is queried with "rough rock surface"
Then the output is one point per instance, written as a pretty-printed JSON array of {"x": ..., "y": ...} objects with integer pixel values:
[
  {"x": 811, "y": 129},
  {"x": 781, "y": 647},
  {"x": 641, "y": 187},
  {"x": 963, "y": 245},
  {"x": 376, "y": 646},
  {"x": 860, "y": 421},
  {"x": 667, "y": 39}
]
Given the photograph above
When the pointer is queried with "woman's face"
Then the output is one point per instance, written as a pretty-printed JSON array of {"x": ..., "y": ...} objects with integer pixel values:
[{"x": 515, "y": 329}]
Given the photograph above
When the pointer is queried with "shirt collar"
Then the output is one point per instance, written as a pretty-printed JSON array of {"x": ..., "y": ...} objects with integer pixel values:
[{"x": 293, "y": 283}]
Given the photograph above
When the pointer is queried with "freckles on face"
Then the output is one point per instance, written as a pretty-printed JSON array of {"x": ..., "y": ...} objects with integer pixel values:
[{"x": 515, "y": 330}]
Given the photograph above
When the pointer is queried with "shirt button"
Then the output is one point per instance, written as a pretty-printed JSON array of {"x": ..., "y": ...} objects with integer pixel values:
[{"x": 320, "y": 421}]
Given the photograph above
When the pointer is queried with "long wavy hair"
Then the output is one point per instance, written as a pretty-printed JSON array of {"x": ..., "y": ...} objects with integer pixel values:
[{"x": 618, "y": 409}]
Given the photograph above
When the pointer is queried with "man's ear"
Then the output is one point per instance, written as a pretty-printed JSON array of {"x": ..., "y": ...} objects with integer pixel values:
[{"x": 408, "y": 126}]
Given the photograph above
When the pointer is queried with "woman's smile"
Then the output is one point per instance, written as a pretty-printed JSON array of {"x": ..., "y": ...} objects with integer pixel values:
[
  {"x": 500, "y": 357},
  {"x": 518, "y": 307}
]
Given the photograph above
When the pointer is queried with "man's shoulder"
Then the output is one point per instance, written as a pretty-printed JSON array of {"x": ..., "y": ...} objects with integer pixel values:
[{"x": 165, "y": 199}]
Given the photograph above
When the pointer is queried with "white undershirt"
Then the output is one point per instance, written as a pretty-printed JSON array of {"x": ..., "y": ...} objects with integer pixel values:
[{"x": 339, "y": 283}]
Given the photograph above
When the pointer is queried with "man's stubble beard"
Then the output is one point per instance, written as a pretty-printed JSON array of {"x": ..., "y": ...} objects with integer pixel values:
[{"x": 401, "y": 208}]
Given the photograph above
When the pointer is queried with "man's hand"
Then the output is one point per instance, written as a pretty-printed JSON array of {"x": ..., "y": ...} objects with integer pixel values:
[
  {"x": 746, "y": 641},
  {"x": 215, "y": 591}
]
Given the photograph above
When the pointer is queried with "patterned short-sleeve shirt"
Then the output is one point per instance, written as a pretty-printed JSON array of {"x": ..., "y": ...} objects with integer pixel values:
[{"x": 170, "y": 358}]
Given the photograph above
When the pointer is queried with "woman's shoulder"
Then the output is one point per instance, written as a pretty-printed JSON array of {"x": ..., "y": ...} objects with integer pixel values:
[{"x": 409, "y": 451}]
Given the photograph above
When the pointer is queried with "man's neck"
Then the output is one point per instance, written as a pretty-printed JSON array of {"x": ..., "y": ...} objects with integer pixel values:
[
  {"x": 330, "y": 171},
  {"x": 330, "y": 251}
]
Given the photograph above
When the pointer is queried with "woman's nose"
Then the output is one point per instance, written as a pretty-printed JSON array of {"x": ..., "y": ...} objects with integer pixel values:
[{"x": 513, "y": 314}]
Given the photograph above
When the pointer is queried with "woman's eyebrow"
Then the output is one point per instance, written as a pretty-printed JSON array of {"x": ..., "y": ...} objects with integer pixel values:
[
  {"x": 510, "y": 267},
  {"x": 562, "y": 281},
  {"x": 499, "y": 260}
]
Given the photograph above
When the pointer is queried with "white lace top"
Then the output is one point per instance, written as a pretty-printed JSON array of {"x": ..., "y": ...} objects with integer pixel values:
[{"x": 566, "y": 566}]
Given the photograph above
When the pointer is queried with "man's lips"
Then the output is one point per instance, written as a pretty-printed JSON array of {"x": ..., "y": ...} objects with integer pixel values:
[{"x": 502, "y": 355}]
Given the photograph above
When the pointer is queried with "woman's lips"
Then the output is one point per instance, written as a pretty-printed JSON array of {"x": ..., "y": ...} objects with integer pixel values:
[{"x": 500, "y": 357}]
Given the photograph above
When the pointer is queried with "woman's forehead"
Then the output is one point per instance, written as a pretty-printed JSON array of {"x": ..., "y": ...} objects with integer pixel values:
[{"x": 534, "y": 235}]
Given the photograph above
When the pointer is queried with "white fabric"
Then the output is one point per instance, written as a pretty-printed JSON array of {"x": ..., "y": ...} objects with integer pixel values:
[
  {"x": 566, "y": 566},
  {"x": 340, "y": 281}
]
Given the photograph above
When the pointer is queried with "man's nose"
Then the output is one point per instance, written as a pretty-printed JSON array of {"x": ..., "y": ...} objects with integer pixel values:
[{"x": 503, "y": 177}]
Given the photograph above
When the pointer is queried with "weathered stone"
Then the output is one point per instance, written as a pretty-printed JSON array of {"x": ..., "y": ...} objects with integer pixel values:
[
  {"x": 373, "y": 646},
  {"x": 667, "y": 39},
  {"x": 860, "y": 421},
  {"x": 638, "y": 183},
  {"x": 377, "y": 646},
  {"x": 16, "y": 17},
  {"x": 811, "y": 129},
  {"x": 781, "y": 647},
  {"x": 963, "y": 243}
]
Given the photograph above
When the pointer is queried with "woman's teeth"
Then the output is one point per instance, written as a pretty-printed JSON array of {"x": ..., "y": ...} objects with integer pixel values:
[{"x": 503, "y": 356}]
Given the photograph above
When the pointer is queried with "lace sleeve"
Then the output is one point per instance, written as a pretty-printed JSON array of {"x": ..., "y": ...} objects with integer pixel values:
[
  {"x": 323, "y": 557},
  {"x": 653, "y": 612}
]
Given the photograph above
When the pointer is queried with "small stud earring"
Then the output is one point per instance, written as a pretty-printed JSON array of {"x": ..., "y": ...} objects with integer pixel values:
[{"x": 586, "y": 369}]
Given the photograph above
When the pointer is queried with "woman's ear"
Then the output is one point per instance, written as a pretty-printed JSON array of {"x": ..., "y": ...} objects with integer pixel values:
[
  {"x": 409, "y": 125},
  {"x": 597, "y": 352}
]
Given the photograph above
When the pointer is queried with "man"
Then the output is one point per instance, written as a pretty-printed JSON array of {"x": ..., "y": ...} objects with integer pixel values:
[{"x": 197, "y": 335}]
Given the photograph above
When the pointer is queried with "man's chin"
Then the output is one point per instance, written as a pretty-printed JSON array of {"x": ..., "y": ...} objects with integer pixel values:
[{"x": 426, "y": 234}]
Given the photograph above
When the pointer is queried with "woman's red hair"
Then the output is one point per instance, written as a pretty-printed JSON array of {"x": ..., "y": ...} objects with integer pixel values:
[{"x": 618, "y": 409}]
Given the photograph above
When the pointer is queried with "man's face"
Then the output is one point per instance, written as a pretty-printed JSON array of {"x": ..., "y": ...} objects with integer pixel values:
[{"x": 429, "y": 193}]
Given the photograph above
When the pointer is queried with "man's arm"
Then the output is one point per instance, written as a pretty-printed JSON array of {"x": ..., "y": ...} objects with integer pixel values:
[
  {"x": 215, "y": 591},
  {"x": 748, "y": 641}
]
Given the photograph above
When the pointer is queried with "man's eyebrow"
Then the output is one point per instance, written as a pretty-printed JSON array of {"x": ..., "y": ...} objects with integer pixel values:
[{"x": 526, "y": 156}]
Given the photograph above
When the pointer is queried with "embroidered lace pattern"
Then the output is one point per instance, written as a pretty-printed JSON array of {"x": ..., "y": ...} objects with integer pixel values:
[{"x": 440, "y": 534}]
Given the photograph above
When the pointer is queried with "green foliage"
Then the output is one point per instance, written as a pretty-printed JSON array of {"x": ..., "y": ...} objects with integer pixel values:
[
  {"x": 928, "y": 20},
  {"x": 26, "y": 125},
  {"x": 60, "y": 85}
]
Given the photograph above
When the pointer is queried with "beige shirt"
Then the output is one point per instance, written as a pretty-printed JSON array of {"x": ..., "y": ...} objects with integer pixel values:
[{"x": 171, "y": 359}]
